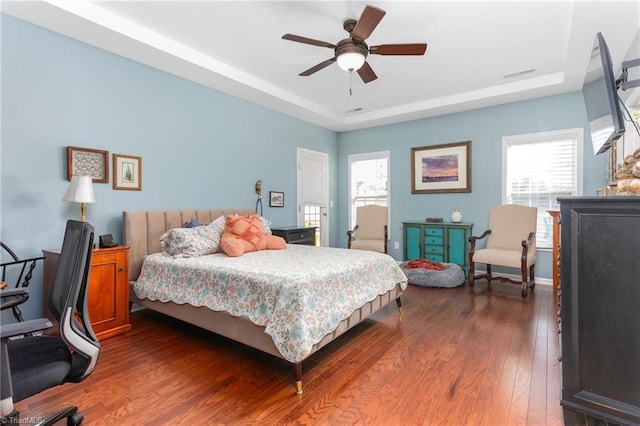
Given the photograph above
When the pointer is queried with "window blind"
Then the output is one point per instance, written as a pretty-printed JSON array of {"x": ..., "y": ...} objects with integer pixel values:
[{"x": 538, "y": 169}]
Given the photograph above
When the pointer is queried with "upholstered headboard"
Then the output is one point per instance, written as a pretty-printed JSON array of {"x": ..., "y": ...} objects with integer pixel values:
[{"x": 142, "y": 230}]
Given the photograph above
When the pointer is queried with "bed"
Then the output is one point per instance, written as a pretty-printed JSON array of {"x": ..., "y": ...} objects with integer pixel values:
[{"x": 266, "y": 299}]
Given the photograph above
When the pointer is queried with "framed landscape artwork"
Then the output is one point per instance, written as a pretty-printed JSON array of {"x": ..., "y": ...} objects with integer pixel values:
[{"x": 441, "y": 168}]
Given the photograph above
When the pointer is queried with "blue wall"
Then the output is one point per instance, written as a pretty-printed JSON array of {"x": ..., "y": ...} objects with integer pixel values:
[
  {"x": 200, "y": 148},
  {"x": 485, "y": 129},
  {"x": 204, "y": 149}
]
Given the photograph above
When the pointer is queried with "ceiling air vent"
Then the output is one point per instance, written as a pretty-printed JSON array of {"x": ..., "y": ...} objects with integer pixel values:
[{"x": 519, "y": 73}]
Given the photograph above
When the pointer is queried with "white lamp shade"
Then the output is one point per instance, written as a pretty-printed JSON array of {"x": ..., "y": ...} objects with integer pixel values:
[
  {"x": 80, "y": 190},
  {"x": 350, "y": 61}
]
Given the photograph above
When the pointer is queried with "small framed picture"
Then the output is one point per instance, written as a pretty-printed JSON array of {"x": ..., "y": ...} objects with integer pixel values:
[
  {"x": 87, "y": 161},
  {"x": 127, "y": 172},
  {"x": 276, "y": 199}
]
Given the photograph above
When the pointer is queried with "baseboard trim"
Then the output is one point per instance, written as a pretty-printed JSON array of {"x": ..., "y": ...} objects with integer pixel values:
[{"x": 539, "y": 280}]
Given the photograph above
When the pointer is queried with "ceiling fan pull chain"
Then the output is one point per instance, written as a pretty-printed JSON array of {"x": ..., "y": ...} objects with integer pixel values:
[{"x": 350, "y": 79}]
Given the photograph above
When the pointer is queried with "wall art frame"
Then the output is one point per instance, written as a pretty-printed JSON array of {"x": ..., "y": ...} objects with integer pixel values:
[
  {"x": 88, "y": 161},
  {"x": 616, "y": 159},
  {"x": 127, "y": 172},
  {"x": 441, "y": 168},
  {"x": 276, "y": 199}
]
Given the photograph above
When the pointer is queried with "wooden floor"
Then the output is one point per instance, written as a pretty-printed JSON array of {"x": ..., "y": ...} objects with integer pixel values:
[{"x": 456, "y": 357}]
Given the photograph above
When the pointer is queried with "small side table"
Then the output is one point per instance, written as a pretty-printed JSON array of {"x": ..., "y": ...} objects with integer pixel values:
[
  {"x": 108, "y": 289},
  {"x": 296, "y": 234}
]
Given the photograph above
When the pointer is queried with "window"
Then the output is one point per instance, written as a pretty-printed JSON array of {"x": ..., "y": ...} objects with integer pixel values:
[
  {"x": 538, "y": 168},
  {"x": 368, "y": 181}
]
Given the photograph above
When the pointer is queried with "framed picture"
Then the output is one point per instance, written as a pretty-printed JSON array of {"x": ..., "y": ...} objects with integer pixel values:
[
  {"x": 276, "y": 199},
  {"x": 616, "y": 159},
  {"x": 441, "y": 168},
  {"x": 127, "y": 172},
  {"x": 87, "y": 161}
]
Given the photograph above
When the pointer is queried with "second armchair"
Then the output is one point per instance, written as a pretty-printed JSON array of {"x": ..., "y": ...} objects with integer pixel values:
[{"x": 370, "y": 231}]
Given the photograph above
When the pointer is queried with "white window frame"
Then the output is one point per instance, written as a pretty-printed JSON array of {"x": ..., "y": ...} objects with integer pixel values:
[
  {"x": 352, "y": 158},
  {"x": 575, "y": 134}
]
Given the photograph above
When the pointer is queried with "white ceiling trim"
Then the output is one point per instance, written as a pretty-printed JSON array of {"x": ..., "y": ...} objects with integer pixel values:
[{"x": 559, "y": 61}]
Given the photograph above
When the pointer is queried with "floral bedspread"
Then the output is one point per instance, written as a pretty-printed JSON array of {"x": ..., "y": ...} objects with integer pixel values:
[{"x": 299, "y": 294}]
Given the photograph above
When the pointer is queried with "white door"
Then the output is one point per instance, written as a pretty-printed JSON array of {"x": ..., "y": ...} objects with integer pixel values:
[{"x": 313, "y": 192}]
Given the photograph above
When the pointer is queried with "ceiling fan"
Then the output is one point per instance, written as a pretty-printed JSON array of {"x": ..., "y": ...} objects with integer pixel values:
[{"x": 351, "y": 53}]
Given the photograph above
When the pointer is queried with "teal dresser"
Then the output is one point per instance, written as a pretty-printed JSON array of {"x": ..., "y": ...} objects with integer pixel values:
[{"x": 438, "y": 242}]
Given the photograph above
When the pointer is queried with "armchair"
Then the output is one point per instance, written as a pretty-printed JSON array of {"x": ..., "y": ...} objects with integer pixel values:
[
  {"x": 35, "y": 363},
  {"x": 510, "y": 242},
  {"x": 370, "y": 232}
]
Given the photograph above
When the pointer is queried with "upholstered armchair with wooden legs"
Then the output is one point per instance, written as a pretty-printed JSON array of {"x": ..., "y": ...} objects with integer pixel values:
[
  {"x": 510, "y": 242},
  {"x": 370, "y": 232}
]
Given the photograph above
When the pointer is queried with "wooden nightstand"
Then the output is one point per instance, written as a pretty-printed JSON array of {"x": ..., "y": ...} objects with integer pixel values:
[
  {"x": 108, "y": 289},
  {"x": 296, "y": 234}
]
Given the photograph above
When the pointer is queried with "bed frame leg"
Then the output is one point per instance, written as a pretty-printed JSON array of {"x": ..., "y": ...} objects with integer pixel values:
[
  {"x": 297, "y": 368},
  {"x": 399, "y": 303}
]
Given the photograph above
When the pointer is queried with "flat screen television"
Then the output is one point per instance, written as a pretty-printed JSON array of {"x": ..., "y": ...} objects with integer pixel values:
[{"x": 606, "y": 123}]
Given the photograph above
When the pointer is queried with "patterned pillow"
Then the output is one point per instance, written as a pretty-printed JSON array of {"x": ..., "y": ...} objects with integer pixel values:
[
  {"x": 189, "y": 242},
  {"x": 217, "y": 229}
]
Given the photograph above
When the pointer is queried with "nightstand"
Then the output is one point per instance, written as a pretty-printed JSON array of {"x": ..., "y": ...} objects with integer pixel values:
[
  {"x": 108, "y": 289},
  {"x": 296, "y": 234}
]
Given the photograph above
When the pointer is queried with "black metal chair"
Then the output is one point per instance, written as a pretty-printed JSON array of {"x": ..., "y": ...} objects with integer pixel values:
[
  {"x": 14, "y": 270},
  {"x": 32, "y": 364}
]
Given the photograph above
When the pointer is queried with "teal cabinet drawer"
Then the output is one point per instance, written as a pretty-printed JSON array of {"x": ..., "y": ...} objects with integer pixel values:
[
  {"x": 435, "y": 257},
  {"x": 433, "y": 241},
  {"x": 434, "y": 231},
  {"x": 433, "y": 250}
]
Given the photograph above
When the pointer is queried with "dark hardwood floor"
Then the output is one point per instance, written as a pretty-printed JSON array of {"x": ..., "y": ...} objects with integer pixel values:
[{"x": 456, "y": 357}]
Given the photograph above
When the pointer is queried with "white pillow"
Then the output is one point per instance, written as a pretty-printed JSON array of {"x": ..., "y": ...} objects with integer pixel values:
[{"x": 266, "y": 225}]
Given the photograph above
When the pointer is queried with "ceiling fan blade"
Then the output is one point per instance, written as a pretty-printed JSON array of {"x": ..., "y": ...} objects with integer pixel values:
[
  {"x": 318, "y": 67},
  {"x": 366, "y": 73},
  {"x": 306, "y": 40},
  {"x": 369, "y": 20},
  {"x": 399, "y": 49}
]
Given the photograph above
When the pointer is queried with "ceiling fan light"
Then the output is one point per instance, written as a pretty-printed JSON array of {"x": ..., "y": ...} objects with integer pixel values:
[{"x": 351, "y": 61}]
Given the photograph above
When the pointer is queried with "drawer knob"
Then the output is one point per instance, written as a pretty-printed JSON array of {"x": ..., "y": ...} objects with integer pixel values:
[{"x": 121, "y": 269}]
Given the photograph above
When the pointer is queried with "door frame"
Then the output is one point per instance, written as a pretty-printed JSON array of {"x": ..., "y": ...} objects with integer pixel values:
[{"x": 324, "y": 218}]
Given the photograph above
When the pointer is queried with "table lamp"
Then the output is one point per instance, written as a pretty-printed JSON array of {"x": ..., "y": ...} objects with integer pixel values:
[{"x": 80, "y": 191}]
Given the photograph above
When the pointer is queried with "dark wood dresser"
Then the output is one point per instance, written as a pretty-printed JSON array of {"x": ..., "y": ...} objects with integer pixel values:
[
  {"x": 600, "y": 309},
  {"x": 296, "y": 234}
]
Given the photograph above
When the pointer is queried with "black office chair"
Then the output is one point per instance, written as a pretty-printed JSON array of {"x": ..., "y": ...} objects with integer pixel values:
[{"x": 33, "y": 364}]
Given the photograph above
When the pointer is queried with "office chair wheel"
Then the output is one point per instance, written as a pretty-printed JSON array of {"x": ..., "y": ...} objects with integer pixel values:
[{"x": 75, "y": 419}]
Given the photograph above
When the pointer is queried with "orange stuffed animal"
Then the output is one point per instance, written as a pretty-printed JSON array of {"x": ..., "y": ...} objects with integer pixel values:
[{"x": 243, "y": 234}]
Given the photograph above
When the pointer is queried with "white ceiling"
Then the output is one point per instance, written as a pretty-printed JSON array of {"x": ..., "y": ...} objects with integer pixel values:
[{"x": 236, "y": 47}]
